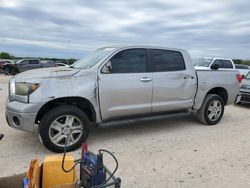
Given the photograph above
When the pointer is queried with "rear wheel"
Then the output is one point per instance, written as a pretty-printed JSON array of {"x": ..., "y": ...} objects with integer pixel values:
[
  {"x": 211, "y": 110},
  {"x": 57, "y": 124}
]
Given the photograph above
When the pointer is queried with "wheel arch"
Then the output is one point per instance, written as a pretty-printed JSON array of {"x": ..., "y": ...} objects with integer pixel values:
[
  {"x": 80, "y": 102},
  {"x": 222, "y": 92}
]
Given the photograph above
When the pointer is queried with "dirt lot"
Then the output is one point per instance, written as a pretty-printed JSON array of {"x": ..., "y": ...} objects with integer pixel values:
[{"x": 175, "y": 152}]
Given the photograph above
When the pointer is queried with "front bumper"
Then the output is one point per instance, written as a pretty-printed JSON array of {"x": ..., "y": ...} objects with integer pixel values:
[
  {"x": 238, "y": 98},
  {"x": 22, "y": 116},
  {"x": 245, "y": 97}
]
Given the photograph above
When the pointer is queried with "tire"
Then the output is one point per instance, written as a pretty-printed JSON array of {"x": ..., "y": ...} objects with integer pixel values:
[
  {"x": 211, "y": 110},
  {"x": 53, "y": 126}
]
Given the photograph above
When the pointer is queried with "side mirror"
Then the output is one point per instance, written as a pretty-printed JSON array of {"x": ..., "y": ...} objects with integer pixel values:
[
  {"x": 243, "y": 76},
  {"x": 215, "y": 66},
  {"x": 107, "y": 67}
]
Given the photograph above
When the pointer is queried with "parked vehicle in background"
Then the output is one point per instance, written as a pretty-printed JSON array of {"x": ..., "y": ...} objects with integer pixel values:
[
  {"x": 3, "y": 64},
  {"x": 62, "y": 65},
  {"x": 245, "y": 90},
  {"x": 207, "y": 63},
  {"x": 48, "y": 64},
  {"x": 243, "y": 69},
  {"x": 114, "y": 85},
  {"x": 9, "y": 62},
  {"x": 62, "y": 61},
  {"x": 23, "y": 65},
  {"x": 26, "y": 64}
]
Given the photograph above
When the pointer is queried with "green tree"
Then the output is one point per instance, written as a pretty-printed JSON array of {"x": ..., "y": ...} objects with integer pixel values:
[
  {"x": 5, "y": 55},
  {"x": 237, "y": 61}
]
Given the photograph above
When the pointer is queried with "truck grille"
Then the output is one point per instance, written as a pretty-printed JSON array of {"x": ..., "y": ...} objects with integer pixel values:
[
  {"x": 245, "y": 97},
  {"x": 245, "y": 86}
]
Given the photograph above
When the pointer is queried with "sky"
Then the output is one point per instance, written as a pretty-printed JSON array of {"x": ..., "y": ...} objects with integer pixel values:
[{"x": 72, "y": 28}]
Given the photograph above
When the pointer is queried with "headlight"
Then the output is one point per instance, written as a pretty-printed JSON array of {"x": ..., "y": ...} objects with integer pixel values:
[
  {"x": 12, "y": 86},
  {"x": 22, "y": 88}
]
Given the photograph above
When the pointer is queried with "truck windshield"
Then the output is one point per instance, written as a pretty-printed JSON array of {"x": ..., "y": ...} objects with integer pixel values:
[
  {"x": 17, "y": 62},
  {"x": 92, "y": 59},
  {"x": 248, "y": 76},
  {"x": 203, "y": 62}
]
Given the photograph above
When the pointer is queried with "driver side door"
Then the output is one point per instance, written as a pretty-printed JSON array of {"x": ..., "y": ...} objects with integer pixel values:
[{"x": 125, "y": 89}]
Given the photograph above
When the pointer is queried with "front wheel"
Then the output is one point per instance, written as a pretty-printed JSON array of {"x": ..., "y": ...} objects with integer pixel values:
[
  {"x": 58, "y": 123},
  {"x": 211, "y": 110}
]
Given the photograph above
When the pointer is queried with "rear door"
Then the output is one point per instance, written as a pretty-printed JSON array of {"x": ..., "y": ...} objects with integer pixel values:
[
  {"x": 126, "y": 88},
  {"x": 173, "y": 85},
  {"x": 34, "y": 64}
]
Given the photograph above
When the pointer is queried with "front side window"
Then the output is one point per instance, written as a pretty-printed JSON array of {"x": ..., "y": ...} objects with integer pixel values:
[
  {"x": 166, "y": 60},
  {"x": 219, "y": 63},
  {"x": 129, "y": 61},
  {"x": 227, "y": 64},
  {"x": 25, "y": 62}
]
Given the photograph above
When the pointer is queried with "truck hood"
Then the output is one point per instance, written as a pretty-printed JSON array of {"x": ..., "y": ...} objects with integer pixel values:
[{"x": 44, "y": 73}]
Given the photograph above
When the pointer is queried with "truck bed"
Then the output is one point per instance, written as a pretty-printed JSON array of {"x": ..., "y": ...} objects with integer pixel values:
[{"x": 210, "y": 79}]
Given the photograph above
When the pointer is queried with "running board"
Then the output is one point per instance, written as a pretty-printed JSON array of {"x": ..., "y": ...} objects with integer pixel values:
[{"x": 140, "y": 119}]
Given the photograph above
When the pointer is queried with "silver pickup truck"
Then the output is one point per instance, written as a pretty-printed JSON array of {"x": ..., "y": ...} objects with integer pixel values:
[{"x": 113, "y": 85}]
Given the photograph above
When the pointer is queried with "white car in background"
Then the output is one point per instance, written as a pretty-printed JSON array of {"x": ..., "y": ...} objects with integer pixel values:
[
  {"x": 208, "y": 62},
  {"x": 242, "y": 68},
  {"x": 62, "y": 65}
]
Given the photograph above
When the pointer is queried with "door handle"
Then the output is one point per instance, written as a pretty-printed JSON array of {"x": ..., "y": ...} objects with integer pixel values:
[
  {"x": 145, "y": 79},
  {"x": 188, "y": 77}
]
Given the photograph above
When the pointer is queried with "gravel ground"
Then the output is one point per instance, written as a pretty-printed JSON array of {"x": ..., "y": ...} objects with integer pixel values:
[{"x": 175, "y": 152}]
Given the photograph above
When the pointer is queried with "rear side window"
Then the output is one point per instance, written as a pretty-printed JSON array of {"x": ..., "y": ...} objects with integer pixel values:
[
  {"x": 129, "y": 61},
  {"x": 33, "y": 62},
  {"x": 224, "y": 64},
  {"x": 166, "y": 60}
]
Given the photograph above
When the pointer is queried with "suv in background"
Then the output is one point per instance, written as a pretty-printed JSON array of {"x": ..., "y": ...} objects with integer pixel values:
[
  {"x": 207, "y": 63},
  {"x": 27, "y": 64},
  {"x": 22, "y": 65},
  {"x": 242, "y": 68}
]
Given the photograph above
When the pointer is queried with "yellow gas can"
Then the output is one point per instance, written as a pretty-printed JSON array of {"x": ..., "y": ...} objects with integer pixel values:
[{"x": 52, "y": 173}]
